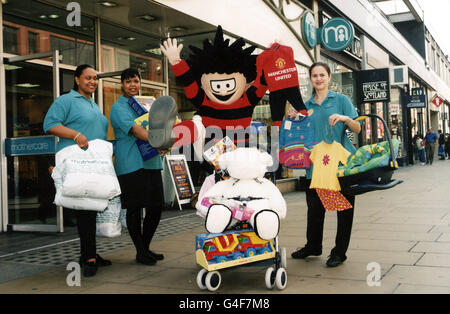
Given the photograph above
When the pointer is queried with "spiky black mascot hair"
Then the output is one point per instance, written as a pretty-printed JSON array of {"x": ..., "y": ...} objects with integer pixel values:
[{"x": 222, "y": 58}]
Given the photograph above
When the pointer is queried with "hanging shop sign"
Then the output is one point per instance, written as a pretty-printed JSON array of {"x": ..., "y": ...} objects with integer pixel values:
[
  {"x": 31, "y": 145},
  {"x": 309, "y": 29},
  {"x": 437, "y": 101},
  {"x": 417, "y": 98},
  {"x": 373, "y": 86},
  {"x": 336, "y": 34}
]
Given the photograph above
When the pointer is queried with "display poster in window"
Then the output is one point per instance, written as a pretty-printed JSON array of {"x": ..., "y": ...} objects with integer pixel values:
[
  {"x": 181, "y": 178},
  {"x": 374, "y": 86}
]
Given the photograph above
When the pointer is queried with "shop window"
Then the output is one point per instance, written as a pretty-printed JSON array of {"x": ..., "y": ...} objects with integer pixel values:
[
  {"x": 122, "y": 48},
  {"x": 112, "y": 90},
  {"x": 32, "y": 42},
  {"x": 73, "y": 52},
  {"x": 43, "y": 28},
  {"x": 343, "y": 80},
  {"x": 10, "y": 44}
]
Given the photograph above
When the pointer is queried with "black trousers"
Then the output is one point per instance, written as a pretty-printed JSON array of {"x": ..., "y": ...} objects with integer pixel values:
[
  {"x": 316, "y": 217},
  {"x": 86, "y": 223},
  {"x": 429, "y": 149},
  {"x": 142, "y": 189},
  {"x": 277, "y": 101}
]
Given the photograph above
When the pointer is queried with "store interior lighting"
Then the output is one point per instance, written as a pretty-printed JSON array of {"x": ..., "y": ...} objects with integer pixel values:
[
  {"x": 147, "y": 17},
  {"x": 108, "y": 4}
]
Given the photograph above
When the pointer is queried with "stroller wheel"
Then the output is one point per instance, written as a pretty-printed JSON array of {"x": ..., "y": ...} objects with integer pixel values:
[
  {"x": 281, "y": 278},
  {"x": 213, "y": 280},
  {"x": 270, "y": 278},
  {"x": 201, "y": 276}
]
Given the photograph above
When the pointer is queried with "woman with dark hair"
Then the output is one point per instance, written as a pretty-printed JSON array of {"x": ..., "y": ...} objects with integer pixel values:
[
  {"x": 140, "y": 181},
  {"x": 76, "y": 119},
  {"x": 327, "y": 107}
]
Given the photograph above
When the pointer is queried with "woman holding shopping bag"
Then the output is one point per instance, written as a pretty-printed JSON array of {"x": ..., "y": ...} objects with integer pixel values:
[
  {"x": 140, "y": 180},
  {"x": 76, "y": 119},
  {"x": 333, "y": 109}
]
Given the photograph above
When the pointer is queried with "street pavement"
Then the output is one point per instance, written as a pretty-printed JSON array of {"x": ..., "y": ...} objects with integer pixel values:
[{"x": 400, "y": 244}]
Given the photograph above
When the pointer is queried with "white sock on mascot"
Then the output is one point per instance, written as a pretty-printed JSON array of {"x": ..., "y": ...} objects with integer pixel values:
[{"x": 263, "y": 203}]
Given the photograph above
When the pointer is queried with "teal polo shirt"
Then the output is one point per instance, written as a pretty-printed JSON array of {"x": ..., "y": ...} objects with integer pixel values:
[
  {"x": 333, "y": 103},
  {"x": 76, "y": 112},
  {"x": 127, "y": 156}
]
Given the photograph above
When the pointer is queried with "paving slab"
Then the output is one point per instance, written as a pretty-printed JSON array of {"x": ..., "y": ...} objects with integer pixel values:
[
  {"x": 394, "y": 235},
  {"x": 421, "y": 289},
  {"x": 305, "y": 285},
  {"x": 395, "y": 227},
  {"x": 419, "y": 275},
  {"x": 431, "y": 259},
  {"x": 432, "y": 247}
]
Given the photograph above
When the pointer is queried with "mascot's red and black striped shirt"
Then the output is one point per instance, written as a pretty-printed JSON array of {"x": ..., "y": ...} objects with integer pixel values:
[{"x": 220, "y": 119}]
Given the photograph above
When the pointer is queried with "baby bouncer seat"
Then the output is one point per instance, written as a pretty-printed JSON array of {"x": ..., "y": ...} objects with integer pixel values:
[{"x": 372, "y": 166}]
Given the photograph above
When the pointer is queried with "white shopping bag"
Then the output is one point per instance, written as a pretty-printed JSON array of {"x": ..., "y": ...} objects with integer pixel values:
[
  {"x": 108, "y": 222},
  {"x": 87, "y": 173}
]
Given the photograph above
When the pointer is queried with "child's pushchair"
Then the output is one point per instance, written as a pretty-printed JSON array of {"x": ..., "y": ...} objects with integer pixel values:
[
  {"x": 238, "y": 247},
  {"x": 372, "y": 166}
]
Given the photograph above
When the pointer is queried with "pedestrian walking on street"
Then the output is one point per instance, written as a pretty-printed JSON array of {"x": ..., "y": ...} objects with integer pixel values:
[
  {"x": 441, "y": 142},
  {"x": 430, "y": 142},
  {"x": 140, "y": 181},
  {"x": 420, "y": 148},
  {"x": 76, "y": 119},
  {"x": 415, "y": 148},
  {"x": 336, "y": 110},
  {"x": 447, "y": 145}
]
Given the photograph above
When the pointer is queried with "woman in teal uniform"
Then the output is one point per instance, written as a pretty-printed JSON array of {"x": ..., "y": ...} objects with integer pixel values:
[
  {"x": 76, "y": 119},
  {"x": 335, "y": 110},
  {"x": 140, "y": 181}
]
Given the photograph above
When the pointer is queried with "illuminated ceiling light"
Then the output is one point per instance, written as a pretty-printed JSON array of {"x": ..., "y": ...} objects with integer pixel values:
[
  {"x": 108, "y": 4},
  {"x": 27, "y": 85},
  {"x": 177, "y": 28},
  {"x": 131, "y": 38},
  {"x": 156, "y": 51},
  {"x": 146, "y": 17},
  {"x": 53, "y": 16},
  {"x": 43, "y": 17},
  {"x": 10, "y": 67}
]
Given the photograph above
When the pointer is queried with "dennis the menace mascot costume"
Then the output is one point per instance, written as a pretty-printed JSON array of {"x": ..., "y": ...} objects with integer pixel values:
[{"x": 216, "y": 80}]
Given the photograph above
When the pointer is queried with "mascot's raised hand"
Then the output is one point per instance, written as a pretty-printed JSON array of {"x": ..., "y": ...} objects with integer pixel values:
[{"x": 172, "y": 50}]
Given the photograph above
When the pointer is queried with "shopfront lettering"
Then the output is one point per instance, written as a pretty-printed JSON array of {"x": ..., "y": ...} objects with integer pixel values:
[
  {"x": 30, "y": 145},
  {"x": 18, "y": 148},
  {"x": 373, "y": 85},
  {"x": 417, "y": 98},
  {"x": 375, "y": 91}
]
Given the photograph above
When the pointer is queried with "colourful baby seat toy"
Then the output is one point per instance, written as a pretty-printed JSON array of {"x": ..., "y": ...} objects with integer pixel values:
[{"x": 371, "y": 167}]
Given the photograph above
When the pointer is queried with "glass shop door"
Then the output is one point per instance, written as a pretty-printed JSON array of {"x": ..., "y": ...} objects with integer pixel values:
[{"x": 30, "y": 89}]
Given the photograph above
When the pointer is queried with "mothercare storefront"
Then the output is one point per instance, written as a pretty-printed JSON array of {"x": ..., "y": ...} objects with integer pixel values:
[{"x": 42, "y": 42}]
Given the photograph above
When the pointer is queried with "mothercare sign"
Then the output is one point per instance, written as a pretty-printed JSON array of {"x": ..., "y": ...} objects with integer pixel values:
[
  {"x": 373, "y": 86},
  {"x": 335, "y": 35}
]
